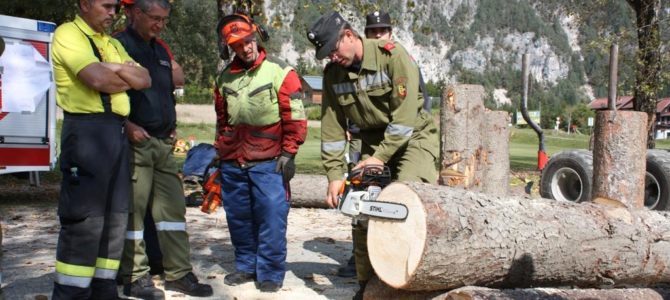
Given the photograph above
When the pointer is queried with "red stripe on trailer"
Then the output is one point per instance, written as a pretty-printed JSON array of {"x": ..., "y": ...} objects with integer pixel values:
[
  {"x": 41, "y": 47},
  {"x": 24, "y": 157}
]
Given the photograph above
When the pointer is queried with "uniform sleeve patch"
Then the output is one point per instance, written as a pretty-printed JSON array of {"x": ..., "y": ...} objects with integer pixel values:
[
  {"x": 402, "y": 91},
  {"x": 389, "y": 46}
]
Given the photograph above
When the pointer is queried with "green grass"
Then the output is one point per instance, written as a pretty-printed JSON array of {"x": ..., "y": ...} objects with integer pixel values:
[{"x": 524, "y": 146}]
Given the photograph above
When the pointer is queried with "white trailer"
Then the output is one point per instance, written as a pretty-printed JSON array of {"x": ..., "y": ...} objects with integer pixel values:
[{"x": 27, "y": 102}]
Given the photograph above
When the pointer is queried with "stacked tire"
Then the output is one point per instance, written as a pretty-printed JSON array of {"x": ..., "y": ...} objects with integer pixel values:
[{"x": 568, "y": 176}]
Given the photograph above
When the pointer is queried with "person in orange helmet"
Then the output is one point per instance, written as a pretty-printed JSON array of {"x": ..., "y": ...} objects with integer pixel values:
[{"x": 260, "y": 125}]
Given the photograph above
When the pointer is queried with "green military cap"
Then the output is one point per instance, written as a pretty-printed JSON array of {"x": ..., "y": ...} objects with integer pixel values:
[{"x": 323, "y": 34}]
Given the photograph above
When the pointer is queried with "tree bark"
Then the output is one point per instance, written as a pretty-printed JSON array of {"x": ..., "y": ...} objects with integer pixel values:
[
  {"x": 377, "y": 289},
  {"x": 479, "y": 293},
  {"x": 462, "y": 111},
  {"x": 453, "y": 238},
  {"x": 496, "y": 143},
  {"x": 619, "y": 158},
  {"x": 309, "y": 191}
]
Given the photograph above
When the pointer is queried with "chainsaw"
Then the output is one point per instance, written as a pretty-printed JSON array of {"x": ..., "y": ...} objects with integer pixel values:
[{"x": 358, "y": 195}]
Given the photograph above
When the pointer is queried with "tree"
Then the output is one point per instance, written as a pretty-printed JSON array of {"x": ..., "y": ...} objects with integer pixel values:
[
  {"x": 648, "y": 61},
  {"x": 57, "y": 11},
  {"x": 645, "y": 42}
]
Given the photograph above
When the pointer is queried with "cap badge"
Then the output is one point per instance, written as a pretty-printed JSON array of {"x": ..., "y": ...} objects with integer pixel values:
[
  {"x": 376, "y": 14},
  {"x": 310, "y": 35}
]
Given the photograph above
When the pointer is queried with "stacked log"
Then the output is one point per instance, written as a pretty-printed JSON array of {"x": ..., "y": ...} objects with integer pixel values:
[
  {"x": 309, "y": 191},
  {"x": 619, "y": 158},
  {"x": 453, "y": 238},
  {"x": 474, "y": 142}
]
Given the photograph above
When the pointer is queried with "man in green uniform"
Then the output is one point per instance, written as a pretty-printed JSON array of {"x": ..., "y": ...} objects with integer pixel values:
[{"x": 375, "y": 85}]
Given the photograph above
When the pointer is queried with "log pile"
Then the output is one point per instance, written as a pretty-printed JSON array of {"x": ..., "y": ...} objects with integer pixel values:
[
  {"x": 377, "y": 290},
  {"x": 453, "y": 238}
]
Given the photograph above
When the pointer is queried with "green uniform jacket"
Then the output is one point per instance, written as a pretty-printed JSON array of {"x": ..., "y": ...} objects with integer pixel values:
[{"x": 382, "y": 99}]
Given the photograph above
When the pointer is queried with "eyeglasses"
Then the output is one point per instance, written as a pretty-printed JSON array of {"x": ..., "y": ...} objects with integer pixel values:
[
  {"x": 156, "y": 19},
  {"x": 334, "y": 51}
]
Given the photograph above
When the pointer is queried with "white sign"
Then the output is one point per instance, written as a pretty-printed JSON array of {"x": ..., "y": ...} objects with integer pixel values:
[
  {"x": 590, "y": 121},
  {"x": 533, "y": 114},
  {"x": 25, "y": 79}
]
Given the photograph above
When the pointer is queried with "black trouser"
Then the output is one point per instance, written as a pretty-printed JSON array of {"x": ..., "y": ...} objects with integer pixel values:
[{"x": 93, "y": 206}]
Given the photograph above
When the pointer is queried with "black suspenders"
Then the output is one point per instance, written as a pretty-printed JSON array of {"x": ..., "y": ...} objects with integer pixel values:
[{"x": 104, "y": 97}]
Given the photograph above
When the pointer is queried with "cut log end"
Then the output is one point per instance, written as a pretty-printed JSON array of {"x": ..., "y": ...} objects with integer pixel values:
[{"x": 401, "y": 245}]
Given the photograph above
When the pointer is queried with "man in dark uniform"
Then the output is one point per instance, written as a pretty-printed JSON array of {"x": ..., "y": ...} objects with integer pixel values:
[
  {"x": 151, "y": 129},
  {"x": 92, "y": 72},
  {"x": 375, "y": 85}
]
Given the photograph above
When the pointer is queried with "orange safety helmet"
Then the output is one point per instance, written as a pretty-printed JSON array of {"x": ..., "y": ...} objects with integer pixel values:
[{"x": 236, "y": 27}]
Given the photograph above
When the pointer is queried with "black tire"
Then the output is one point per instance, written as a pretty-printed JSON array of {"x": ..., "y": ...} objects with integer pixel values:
[
  {"x": 657, "y": 180},
  {"x": 568, "y": 176}
]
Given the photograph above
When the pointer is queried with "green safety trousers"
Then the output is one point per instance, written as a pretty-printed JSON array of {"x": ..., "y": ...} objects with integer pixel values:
[
  {"x": 416, "y": 161},
  {"x": 156, "y": 186}
]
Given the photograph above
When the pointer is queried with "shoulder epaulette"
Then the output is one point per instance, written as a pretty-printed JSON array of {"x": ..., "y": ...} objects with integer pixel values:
[{"x": 386, "y": 45}]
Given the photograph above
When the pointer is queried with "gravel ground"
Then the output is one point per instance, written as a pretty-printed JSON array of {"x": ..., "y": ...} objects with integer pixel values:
[{"x": 319, "y": 241}]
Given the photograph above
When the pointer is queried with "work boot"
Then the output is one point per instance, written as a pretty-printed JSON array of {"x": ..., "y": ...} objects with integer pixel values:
[
  {"x": 269, "y": 286},
  {"x": 361, "y": 291},
  {"x": 189, "y": 285},
  {"x": 349, "y": 270},
  {"x": 143, "y": 288},
  {"x": 238, "y": 277}
]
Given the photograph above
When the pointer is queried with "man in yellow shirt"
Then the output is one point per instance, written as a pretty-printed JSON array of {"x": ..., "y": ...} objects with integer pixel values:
[{"x": 92, "y": 72}]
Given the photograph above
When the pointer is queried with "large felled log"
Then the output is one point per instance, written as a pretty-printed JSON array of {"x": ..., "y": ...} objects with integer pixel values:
[
  {"x": 377, "y": 289},
  {"x": 309, "y": 191},
  {"x": 619, "y": 158},
  {"x": 453, "y": 238},
  {"x": 480, "y": 293}
]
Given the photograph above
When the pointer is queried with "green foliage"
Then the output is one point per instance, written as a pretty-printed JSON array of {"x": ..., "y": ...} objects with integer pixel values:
[
  {"x": 57, "y": 11},
  {"x": 191, "y": 34},
  {"x": 313, "y": 112},
  {"x": 194, "y": 94}
]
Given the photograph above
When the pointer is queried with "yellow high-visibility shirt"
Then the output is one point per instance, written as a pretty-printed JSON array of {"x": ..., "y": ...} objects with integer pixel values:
[{"x": 71, "y": 53}]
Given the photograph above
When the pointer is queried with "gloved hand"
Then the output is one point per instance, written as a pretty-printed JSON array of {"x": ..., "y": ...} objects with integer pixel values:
[{"x": 286, "y": 165}]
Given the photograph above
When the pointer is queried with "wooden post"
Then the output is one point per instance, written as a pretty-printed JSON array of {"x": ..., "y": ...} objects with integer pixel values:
[
  {"x": 619, "y": 158},
  {"x": 453, "y": 238}
]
